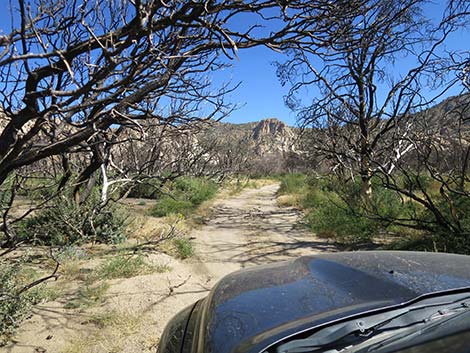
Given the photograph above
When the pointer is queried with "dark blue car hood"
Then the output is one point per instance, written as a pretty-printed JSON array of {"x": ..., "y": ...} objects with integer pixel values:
[{"x": 253, "y": 308}]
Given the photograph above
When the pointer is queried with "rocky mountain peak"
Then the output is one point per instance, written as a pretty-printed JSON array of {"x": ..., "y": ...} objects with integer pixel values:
[
  {"x": 272, "y": 136},
  {"x": 269, "y": 127}
]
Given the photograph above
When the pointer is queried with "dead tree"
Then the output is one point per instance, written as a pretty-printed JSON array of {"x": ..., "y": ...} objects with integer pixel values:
[
  {"x": 70, "y": 72},
  {"x": 351, "y": 56},
  {"x": 76, "y": 78}
]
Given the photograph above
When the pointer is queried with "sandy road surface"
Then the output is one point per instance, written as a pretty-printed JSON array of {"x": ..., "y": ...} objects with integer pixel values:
[
  {"x": 242, "y": 231},
  {"x": 250, "y": 229}
]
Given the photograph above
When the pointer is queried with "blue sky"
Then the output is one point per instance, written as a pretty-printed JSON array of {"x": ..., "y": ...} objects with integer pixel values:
[{"x": 260, "y": 93}]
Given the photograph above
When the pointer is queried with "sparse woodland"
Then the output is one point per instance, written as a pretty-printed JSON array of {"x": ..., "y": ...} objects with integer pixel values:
[
  {"x": 389, "y": 160},
  {"x": 102, "y": 101}
]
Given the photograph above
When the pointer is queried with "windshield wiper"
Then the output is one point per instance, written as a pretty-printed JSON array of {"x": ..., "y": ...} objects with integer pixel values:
[
  {"x": 452, "y": 321},
  {"x": 357, "y": 331}
]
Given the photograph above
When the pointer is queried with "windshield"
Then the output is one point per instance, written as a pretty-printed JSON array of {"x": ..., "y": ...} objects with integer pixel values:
[{"x": 389, "y": 331}]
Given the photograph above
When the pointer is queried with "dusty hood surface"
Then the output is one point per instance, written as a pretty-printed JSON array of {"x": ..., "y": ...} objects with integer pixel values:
[{"x": 253, "y": 308}]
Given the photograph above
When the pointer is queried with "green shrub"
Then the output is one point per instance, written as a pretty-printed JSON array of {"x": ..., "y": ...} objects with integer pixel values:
[
  {"x": 314, "y": 198},
  {"x": 14, "y": 307},
  {"x": 388, "y": 204},
  {"x": 292, "y": 184},
  {"x": 183, "y": 247},
  {"x": 184, "y": 195},
  {"x": 326, "y": 214},
  {"x": 122, "y": 266},
  {"x": 333, "y": 218},
  {"x": 196, "y": 190},
  {"x": 66, "y": 223},
  {"x": 107, "y": 226},
  {"x": 336, "y": 209},
  {"x": 167, "y": 205},
  {"x": 455, "y": 212},
  {"x": 5, "y": 194}
]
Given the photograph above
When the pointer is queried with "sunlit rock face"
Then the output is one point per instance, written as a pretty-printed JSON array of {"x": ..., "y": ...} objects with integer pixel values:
[
  {"x": 271, "y": 126},
  {"x": 272, "y": 135}
]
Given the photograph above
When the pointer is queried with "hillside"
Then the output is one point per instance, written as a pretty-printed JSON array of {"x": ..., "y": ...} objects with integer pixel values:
[
  {"x": 268, "y": 136},
  {"x": 271, "y": 135}
]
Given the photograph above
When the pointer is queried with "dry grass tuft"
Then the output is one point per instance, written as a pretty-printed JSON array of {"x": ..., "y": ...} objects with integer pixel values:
[
  {"x": 110, "y": 333},
  {"x": 289, "y": 200},
  {"x": 88, "y": 295},
  {"x": 73, "y": 271}
]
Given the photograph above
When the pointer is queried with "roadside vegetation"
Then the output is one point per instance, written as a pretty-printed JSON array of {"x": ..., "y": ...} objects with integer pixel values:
[
  {"x": 16, "y": 301},
  {"x": 336, "y": 210},
  {"x": 64, "y": 223},
  {"x": 184, "y": 248},
  {"x": 92, "y": 243},
  {"x": 183, "y": 196}
]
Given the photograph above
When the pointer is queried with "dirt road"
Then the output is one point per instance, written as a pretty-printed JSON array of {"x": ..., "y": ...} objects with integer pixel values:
[
  {"x": 245, "y": 230},
  {"x": 250, "y": 229}
]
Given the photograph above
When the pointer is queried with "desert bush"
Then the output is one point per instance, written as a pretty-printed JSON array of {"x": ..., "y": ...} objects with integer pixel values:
[
  {"x": 326, "y": 214},
  {"x": 168, "y": 205},
  {"x": 194, "y": 190},
  {"x": 5, "y": 193},
  {"x": 184, "y": 195},
  {"x": 335, "y": 209},
  {"x": 339, "y": 210},
  {"x": 15, "y": 305},
  {"x": 184, "y": 248},
  {"x": 329, "y": 216},
  {"x": 292, "y": 184},
  {"x": 292, "y": 190},
  {"x": 454, "y": 210},
  {"x": 66, "y": 223},
  {"x": 386, "y": 206},
  {"x": 123, "y": 266},
  {"x": 13, "y": 308}
]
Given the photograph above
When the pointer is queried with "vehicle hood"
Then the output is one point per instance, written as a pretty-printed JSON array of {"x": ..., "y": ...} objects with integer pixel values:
[{"x": 253, "y": 308}]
